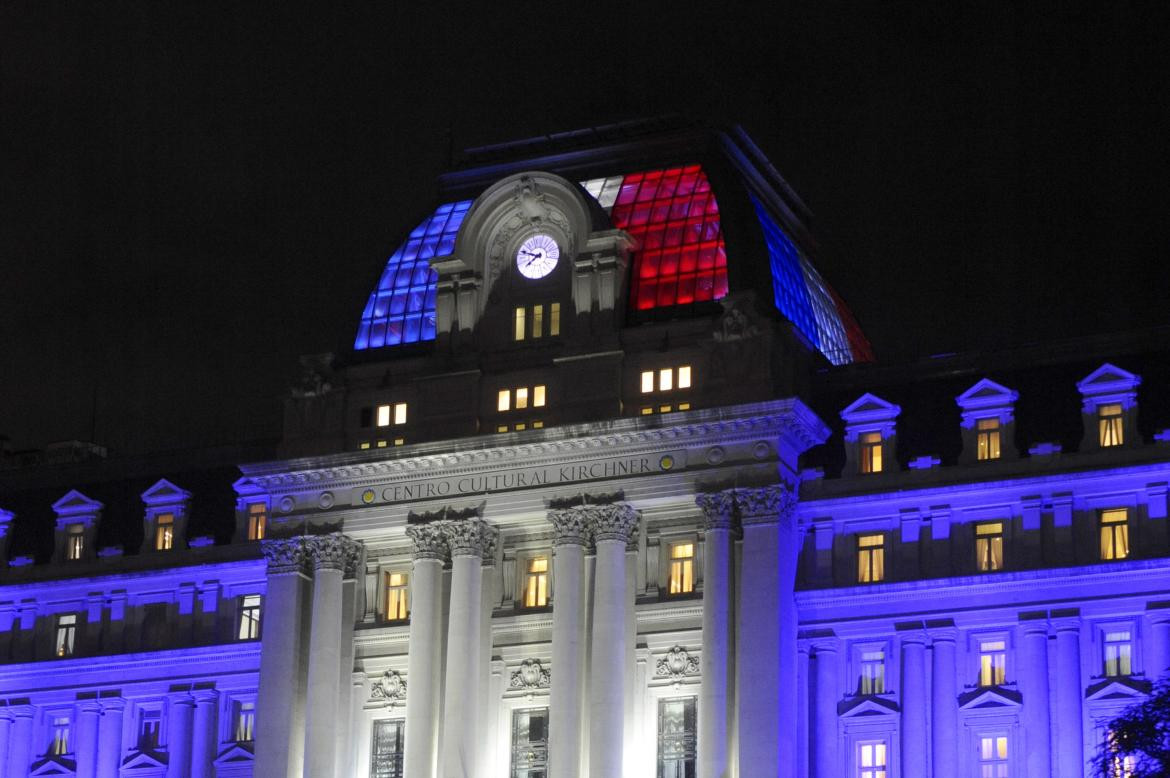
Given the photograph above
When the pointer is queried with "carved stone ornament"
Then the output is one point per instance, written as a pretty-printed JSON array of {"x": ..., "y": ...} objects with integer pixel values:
[
  {"x": 718, "y": 509},
  {"x": 390, "y": 688},
  {"x": 428, "y": 541},
  {"x": 530, "y": 677},
  {"x": 677, "y": 665},
  {"x": 333, "y": 552},
  {"x": 734, "y": 324},
  {"x": 286, "y": 555},
  {"x": 617, "y": 521},
  {"x": 765, "y": 504},
  {"x": 467, "y": 537},
  {"x": 491, "y": 539},
  {"x": 571, "y": 525}
]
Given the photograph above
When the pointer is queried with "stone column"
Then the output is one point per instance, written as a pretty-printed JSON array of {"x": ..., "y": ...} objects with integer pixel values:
[
  {"x": 828, "y": 687},
  {"x": 110, "y": 738},
  {"x": 423, "y": 667},
  {"x": 489, "y": 702},
  {"x": 806, "y": 710},
  {"x": 1032, "y": 680},
  {"x": 85, "y": 750},
  {"x": 715, "y": 663},
  {"x": 944, "y": 706},
  {"x": 766, "y": 662},
  {"x": 5, "y": 736},
  {"x": 613, "y": 526},
  {"x": 466, "y": 538},
  {"x": 179, "y": 736},
  {"x": 203, "y": 733},
  {"x": 331, "y": 554},
  {"x": 351, "y": 585},
  {"x": 914, "y": 702},
  {"x": 1068, "y": 743},
  {"x": 1158, "y": 644},
  {"x": 280, "y": 700},
  {"x": 20, "y": 747},
  {"x": 568, "y": 641}
]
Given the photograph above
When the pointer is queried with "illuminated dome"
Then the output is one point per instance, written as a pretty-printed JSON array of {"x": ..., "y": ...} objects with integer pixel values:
[{"x": 675, "y": 214}]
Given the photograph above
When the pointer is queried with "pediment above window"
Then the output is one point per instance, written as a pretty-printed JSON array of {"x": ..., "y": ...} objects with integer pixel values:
[
  {"x": 993, "y": 697},
  {"x": 868, "y": 705},
  {"x": 145, "y": 763},
  {"x": 1108, "y": 379},
  {"x": 869, "y": 407},
  {"x": 165, "y": 493},
  {"x": 236, "y": 753},
  {"x": 76, "y": 504},
  {"x": 54, "y": 765},
  {"x": 1118, "y": 689},
  {"x": 987, "y": 399}
]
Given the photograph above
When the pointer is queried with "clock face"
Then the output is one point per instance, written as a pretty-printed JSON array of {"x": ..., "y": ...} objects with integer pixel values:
[{"x": 537, "y": 256}]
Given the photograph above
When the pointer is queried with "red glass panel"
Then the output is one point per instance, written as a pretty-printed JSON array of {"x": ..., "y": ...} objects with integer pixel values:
[{"x": 675, "y": 219}]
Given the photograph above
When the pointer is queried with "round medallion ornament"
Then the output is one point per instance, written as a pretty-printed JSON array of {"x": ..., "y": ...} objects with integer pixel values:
[
  {"x": 325, "y": 500},
  {"x": 287, "y": 503},
  {"x": 666, "y": 463},
  {"x": 368, "y": 496},
  {"x": 537, "y": 256}
]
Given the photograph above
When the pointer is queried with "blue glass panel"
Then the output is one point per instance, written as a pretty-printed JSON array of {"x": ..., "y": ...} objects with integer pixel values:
[
  {"x": 789, "y": 290},
  {"x": 403, "y": 308},
  {"x": 834, "y": 343}
]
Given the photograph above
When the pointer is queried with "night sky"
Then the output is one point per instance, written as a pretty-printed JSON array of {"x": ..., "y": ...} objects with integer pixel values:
[{"x": 191, "y": 195}]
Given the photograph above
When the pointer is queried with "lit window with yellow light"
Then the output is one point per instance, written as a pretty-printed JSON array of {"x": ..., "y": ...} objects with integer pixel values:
[
  {"x": 391, "y": 414},
  {"x": 554, "y": 319},
  {"x": 522, "y": 398},
  {"x": 397, "y": 604},
  {"x": 519, "y": 324},
  {"x": 536, "y": 582},
  {"x": 871, "y": 558},
  {"x": 1118, "y": 653},
  {"x": 682, "y": 568},
  {"x": 538, "y": 396},
  {"x": 871, "y": 760},
  {"x": 1109, "y": 427},
  {"x": 993, "y": 757},
  {"x": 164, "y": 532},
  {"x": 538, "y": 321},
  {"x": 987, "y": 432},
  {"x": 992, "y": 663},
  {"x": 504, "y": 400},
  {"x": 870, "y": 444},
  {"x": 989, "y": 546},
  {"x": 1114, "y": 534},
  {"x": 873, "y": 672},
  {"x": 75, "y": 542},
  {"x": 257, "y": 520}
]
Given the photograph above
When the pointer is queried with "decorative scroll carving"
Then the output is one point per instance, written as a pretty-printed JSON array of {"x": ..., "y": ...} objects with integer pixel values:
[
  {"x": 571, "y": 525},
  {"x": 617, "y": 521},
  {"x": 718, "y": 509},
  {"x": 286, "y": 555},
  {"x": 428, "y": 541},
  {"x": 765, "y": 504},
  {"x": 677, "y": 665},
  {"x": 389, "y": 689},
  {"x": 530, "y": 676},
  {"x": 334, "y": 551}
]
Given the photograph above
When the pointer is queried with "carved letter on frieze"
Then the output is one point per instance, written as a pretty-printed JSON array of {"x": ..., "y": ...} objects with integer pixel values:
[
  {"x": 428, "y": 541},
  {"x": 389, "y": 689},
  {"x": 286, "y": 555}
]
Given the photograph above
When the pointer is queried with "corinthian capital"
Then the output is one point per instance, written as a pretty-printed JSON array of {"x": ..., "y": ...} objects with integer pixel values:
[
  {"x": 765, "y": 504},
  {"x": 466, "y": 537},
  {"x": 571, "y": 525},
  {"x": 333, "y": 552},
  {"x": 615, "y": 521},
  {"x": 286, "y": 555},
  {"x": 491, "y": 538},
  {"x": 718, "y": 509},
  {"x": 428, "y": 541}
]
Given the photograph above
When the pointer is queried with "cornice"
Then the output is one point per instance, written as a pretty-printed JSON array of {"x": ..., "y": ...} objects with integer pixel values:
[{"x": 788, "y": 419}]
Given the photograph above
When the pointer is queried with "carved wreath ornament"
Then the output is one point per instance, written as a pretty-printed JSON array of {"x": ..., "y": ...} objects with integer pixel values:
[
  {"x": 389, "y": 689},
  {"x": 677, "y": 665},
  {"x": 529, "y": 677}
]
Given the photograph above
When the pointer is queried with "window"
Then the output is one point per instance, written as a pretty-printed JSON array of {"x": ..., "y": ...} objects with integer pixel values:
[
  {"x": 244, "y": 721},
  {"x": 871, "y": 558},
  {"x": 1114, "y": 534},
  {"x": 871, "y": 452},
  {"x": 397, "y": 606},
  {"x": 66, "y": 634},
  {"x": 391, "y": 414},
  {"x": 149, "y": 726},
  {"x": 1118, "y": 653},
  {"x": 164, "y": 532},
  {"x": 388, "y": 745},
  {"x": 1119, "y": 766},
  {"x": 989, "y": 547},
  {"x": 677, "y": 735},
  {"x": 682, "y": 568},
  {"x": 873, "y": 672},
  {"x": 60, "y": 736},
  {"x": 520, "y": 398},
  {"x": 1109, "y": 430},
  {"x": 249, "y": 617},
  {"x": 663, "y": 380},
  {"x": 530, "y": 743},
  {"x": 75, "y": 542},
  {"x": 987, "y": 439},
  {"x": 871, "y": 759},
  {"x": 258, "y": 519},
  {"x": 992, "y": 662},
  {"x": 544, "y": 321},
  {"x": 536, "y": 582},
  {"x": 993, "y": 756}
]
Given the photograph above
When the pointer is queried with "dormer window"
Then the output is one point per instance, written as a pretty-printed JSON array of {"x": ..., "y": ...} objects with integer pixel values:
[
  {"x": 75, "y": 542},
  {"x": 987, "y": 433},
  {"x": 1109, "y": 428},
  {"x": 536, "y": 321},
  {"x": 257, "y": 520},
  {"x": 870, "y": 448},
  {"x": 164, "y": 532}
]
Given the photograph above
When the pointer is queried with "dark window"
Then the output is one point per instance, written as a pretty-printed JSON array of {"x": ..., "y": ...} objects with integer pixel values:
[
  {"x": 387, "y": 749},
  {"x": 530, "y": 743},
  {"x": 677, "y": 735}
]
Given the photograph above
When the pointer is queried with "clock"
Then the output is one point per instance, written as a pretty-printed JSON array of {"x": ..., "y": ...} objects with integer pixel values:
[{"x": 537, "y": 256}]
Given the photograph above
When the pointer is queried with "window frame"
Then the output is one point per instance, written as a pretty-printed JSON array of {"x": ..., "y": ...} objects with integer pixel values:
[
  {"x": 994, "y": 735},
  {"x": 1113, "y": 529},
  {"x": 539, "y": 576},
  {"x": 75, "y": 542},
  {"x": 250, "y": 615},
  {"x": 863, "y": 551},
  {"x": 384, "y": 595},
  {"x": 687, "y": 568},
  {"x": 870, "y": 457},
  {"x": 988, "y": 438},
  {"x": 69, "y": 631},
  {"x": 399, "y": 724},
  {"x": 514, "y": 770},
  {"x": 1110, "y": 426},
  {"x": 256, "y": 521},
  {"x": 688, "y": 738},
  {"x": 862, "y": 770},
  {"x": 164, "y": 531},
  {"x": 860, "y": 664},
  {"x": 978, "y": 641},
  {"x": 989, "y": 539}
]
